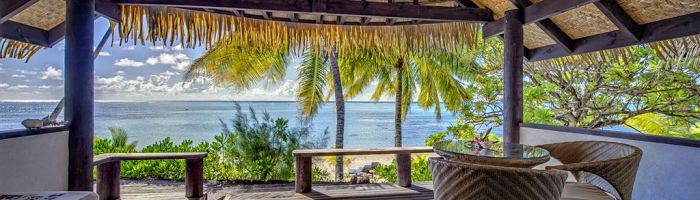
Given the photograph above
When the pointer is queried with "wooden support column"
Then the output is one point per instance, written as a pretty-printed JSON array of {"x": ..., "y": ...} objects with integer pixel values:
[
  {"x": 79, "y": 76},
  {"x": 194, "y": 178},
  {"x": 403, "y": 170},
  {"x": 108, "y": 180},
  {"x": 302, "y": 182},
  {"x": 513, "y": 76}
]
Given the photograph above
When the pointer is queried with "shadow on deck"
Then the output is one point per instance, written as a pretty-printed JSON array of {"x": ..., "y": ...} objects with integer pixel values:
[{"x": 176, "y": 190}]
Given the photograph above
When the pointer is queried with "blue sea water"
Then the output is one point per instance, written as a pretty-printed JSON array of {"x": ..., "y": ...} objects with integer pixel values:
[{"x": 367, "y": 124}]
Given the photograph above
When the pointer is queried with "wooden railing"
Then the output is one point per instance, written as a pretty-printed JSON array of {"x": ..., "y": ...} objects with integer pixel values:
[
  {"x": 108, "y": 172},
  {"x": 403, "y": 162}
]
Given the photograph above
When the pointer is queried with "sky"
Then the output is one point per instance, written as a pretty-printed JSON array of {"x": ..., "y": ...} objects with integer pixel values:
[{"x": 130, "y": 72}]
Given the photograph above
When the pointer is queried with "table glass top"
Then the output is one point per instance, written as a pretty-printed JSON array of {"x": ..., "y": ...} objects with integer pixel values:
[{"x": 498, "y": 150}]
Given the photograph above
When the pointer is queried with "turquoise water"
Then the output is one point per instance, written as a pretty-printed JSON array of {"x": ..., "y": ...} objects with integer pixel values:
[{"x": 367, "y": 124}]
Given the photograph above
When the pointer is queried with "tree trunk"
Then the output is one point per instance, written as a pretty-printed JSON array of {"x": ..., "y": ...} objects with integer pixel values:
[
  {"x": 339, "y": 111},
  {"x": 399, "y": 102}
]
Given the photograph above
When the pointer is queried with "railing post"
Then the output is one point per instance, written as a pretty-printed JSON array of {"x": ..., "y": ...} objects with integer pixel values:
[
  {"x": 403, "y": 169},
  {"x": 108, "y": 180},
  {"x": 302, "y": 181},
  {"x": 194, "y": 178}
]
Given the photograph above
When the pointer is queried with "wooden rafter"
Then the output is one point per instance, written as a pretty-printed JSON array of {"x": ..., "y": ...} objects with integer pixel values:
[
  {"x": 267, "y": 15},
  {"x": 466, "y": 3},
  {"x": 23, "y": 33},
  {"x": 621, "y": 19},
  {"x": 334, "y": 7},
  {"x": 537, "y": 12},
  {"x": 676, "y": 27}
]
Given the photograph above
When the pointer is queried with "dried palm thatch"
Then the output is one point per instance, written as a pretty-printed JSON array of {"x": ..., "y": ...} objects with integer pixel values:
[
  {"x": 192, "y": 28},
  {"x": 17, "y": 50},
  {"x": 684, "y": 50}
]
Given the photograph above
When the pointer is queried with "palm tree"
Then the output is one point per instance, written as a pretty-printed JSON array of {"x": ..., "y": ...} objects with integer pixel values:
[
  {"x": 435, "y": 76},
  {"x": 241, "y": 65}
]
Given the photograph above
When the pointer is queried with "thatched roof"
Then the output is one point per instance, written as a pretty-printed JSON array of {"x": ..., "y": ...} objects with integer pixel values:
[{"x": 552, "y": 28}]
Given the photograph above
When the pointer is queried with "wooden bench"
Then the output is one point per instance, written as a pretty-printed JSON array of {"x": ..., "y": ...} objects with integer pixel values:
[
  {"x": 108, "y": 172},
  {"x": 303, "y": 157}
]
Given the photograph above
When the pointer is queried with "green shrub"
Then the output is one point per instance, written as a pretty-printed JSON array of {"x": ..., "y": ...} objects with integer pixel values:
[
  {"x": 250, "y": 149},
  {"x": 419, "y": 170}
]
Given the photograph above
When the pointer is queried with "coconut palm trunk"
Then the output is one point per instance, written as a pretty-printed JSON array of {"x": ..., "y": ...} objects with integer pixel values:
[
  {"x": 339, "y": 111},
  {"x": 399, "y": 102}
]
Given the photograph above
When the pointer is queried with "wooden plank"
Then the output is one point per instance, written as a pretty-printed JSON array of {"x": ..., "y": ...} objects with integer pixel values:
[
  {"x": 79, "y": 82},
  {"x": 512, "y": 76},
  {"x": 368, "y": 151},
  {"x": 467, "y": 3},
  {"x": 676, "y": 27},
  {"x": 9, "y": 9},
  {"x": 334, "y": 7},
  {"x": 109, "y": 157},
  {"x": 621, "y": 19}
]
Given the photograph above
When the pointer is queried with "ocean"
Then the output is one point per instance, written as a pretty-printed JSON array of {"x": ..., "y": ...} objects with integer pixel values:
[{"x": 367, "y": 124}]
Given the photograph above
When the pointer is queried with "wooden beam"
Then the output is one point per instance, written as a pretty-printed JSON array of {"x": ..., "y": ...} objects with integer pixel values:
[
  {"x": 676, "y": 27},
  {"x": 467, "y": 3},
  {"x": 512, "y": 76},
  {"x": 295, "y": 17},
  {"x": 334, "y": 7},
  {"x": 556, "y": 34},
  {"x": 9, "y": 9},
  {"x": 237, "y": 13},
  {"x": 340, "y": 20},
  {"x": 109, "y": 10},
  {"x": 57, "y": 34},
  {"x": 620, "y": 18},
  {"x": 267, "y": 15},
  {"x": 79, "y": 86},
  {"x": 319, "y": 20},
  {"x": 548, "y": 8},
  {"x": 23, "y": 33},
  {"x": 537, "y": 12}
]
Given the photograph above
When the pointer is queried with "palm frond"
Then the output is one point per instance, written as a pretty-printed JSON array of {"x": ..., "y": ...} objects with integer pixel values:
[
  {"x": 312, "y": 77},
  {"x": 17, "y": 50}
]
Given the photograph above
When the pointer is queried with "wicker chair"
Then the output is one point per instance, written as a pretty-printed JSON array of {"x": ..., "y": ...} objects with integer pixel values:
[
  {"x": 600, "y": 168},
  {"x": 455, "y": 180}
]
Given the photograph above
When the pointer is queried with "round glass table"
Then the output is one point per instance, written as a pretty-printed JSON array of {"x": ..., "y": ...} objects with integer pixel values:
[{"x": 500, "y": 154}]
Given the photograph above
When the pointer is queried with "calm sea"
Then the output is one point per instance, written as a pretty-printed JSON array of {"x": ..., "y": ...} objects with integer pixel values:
[{"x": 367, "y": 124}]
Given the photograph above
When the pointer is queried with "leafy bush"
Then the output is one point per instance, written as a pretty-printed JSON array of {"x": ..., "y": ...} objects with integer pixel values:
[
  {"x": 419, "y": 170},
  {"x": 250, "y": 149}
]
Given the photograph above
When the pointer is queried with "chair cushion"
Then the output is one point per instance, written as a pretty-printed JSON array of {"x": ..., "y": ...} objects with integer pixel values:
[{"x": 583, "y": 191}]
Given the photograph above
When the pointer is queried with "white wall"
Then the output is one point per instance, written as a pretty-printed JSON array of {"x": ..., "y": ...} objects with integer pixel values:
[
  {"x": 34, "y": 163},
  {"x": 666, "y": 171}
]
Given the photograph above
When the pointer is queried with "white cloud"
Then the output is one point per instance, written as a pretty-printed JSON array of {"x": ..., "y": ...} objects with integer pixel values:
[
  {"x": 177, "y": 47},
  {"x": 4, "y": 85},
  {"x": 104, "y": 53},
  {"x": 125, "y": 62},
  {"x": 18, "y": 76},
  {"x": 178, "y": 61},
  {"x": 44, "y": 87},
  {"x": 17, "y": 87},
  {"x": 52, "y": 73},
  {"x": 120, "y": 72},
  {"x": 126, "y": 47},
  {"x": 152, "y": 60},
  {"x": 27, "y": 72},
  {"x": 182, "y": 66}
]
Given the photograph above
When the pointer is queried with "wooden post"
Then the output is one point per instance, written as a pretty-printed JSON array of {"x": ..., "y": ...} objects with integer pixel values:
[
  {"x": 79, "y": 76},
  {"x": 513, "y": 76},
  {"x": 403, "y": 170},
  {"x": 194, "y": 178},
  {"x": 108, "y": 180},
  {"x": 302, "y": 180}
]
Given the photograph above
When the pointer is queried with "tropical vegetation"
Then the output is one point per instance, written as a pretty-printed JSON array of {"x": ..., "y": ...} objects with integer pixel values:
[{"x": 250, "y": 148}]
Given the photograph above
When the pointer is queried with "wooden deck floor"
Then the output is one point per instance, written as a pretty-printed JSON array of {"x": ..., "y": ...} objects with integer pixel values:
[{"x": 175, "y": 190}]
